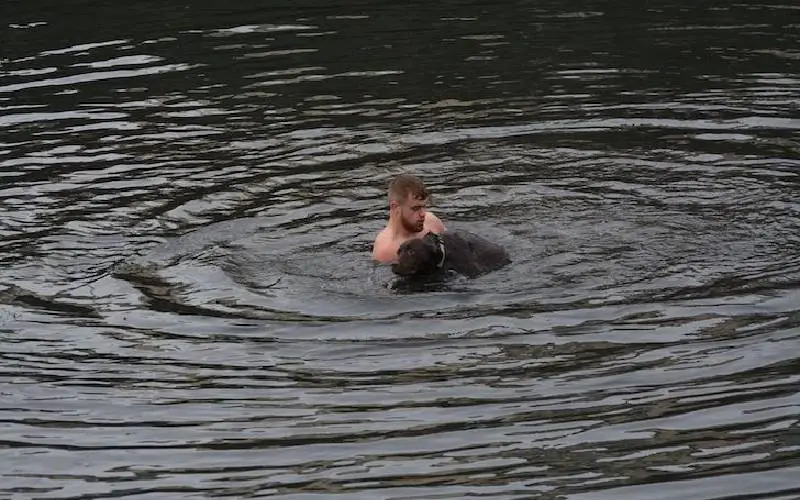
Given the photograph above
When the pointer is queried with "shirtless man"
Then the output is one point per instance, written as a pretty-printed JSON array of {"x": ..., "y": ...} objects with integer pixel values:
[{"x": 408, "y": 217}]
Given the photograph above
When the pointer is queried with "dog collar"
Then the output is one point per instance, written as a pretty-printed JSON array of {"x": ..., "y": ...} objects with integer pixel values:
[{"x": 440, "y": 244}]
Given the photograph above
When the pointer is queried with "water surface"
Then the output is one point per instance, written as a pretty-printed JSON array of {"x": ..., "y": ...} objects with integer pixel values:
[{"x": 190, "y": 193}]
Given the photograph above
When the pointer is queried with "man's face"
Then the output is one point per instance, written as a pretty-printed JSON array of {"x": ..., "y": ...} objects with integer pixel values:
[{"x": 412, "y": 213}]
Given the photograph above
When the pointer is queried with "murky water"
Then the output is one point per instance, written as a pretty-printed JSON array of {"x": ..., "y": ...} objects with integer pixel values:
[{"x": 190, "y": 192}]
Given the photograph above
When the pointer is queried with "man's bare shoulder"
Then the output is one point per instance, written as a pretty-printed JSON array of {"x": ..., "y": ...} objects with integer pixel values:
[
  {"x": 433, "y": 223},
  {"x": 382, "y": 248}
]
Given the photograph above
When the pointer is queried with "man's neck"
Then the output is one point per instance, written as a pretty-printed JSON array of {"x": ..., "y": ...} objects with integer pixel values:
[{"x": 398, "y": 230}]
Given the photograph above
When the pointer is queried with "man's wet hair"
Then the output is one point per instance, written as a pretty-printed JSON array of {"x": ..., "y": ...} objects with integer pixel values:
[{"x": 404, "y": 184}]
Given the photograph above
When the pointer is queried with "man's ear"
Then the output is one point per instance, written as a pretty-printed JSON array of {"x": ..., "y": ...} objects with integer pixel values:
[{"x": 393, "y": 204}]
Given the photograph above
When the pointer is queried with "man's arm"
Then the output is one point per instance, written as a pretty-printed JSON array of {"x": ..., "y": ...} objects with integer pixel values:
[
  {"x": 382, "y": 251},
  {"x": 382, "y": 256}
]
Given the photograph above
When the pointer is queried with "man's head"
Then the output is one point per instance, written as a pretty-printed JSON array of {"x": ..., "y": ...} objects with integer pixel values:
[
  {"x": 419, "y": 256},
  {"x": 408, "y": 200}
]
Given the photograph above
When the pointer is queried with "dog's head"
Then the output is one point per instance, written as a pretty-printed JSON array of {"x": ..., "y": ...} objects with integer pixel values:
[{"x": 419, "y": 256}]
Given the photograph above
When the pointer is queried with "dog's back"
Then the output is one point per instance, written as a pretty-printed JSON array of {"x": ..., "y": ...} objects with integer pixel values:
[{"x": 472, "y": 255}]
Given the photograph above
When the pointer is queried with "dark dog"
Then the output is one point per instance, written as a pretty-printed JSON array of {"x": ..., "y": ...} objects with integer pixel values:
[{"x": 460, "y": 251}]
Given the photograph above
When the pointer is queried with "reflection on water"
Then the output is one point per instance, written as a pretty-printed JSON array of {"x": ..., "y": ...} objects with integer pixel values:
[{"x": 187, "y": 303}]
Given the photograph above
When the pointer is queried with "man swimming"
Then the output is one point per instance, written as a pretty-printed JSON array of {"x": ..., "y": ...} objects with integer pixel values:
[{"x": 408, "y": 217}]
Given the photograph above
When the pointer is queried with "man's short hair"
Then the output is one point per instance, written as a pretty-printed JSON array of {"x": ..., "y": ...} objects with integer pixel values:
[{"x": 404, "y": 184}]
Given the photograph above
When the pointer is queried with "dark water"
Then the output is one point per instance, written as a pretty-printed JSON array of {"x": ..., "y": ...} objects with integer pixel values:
[{"x": 189, "y": 195}]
